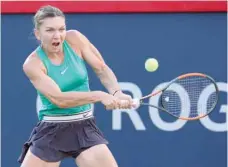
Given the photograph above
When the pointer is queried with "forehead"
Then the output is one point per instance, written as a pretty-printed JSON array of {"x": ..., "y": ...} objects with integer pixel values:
[{"x": 53, "y": 22}]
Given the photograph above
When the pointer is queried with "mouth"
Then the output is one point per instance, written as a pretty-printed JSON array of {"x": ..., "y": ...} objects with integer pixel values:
[{"x": 55, "y": 44}]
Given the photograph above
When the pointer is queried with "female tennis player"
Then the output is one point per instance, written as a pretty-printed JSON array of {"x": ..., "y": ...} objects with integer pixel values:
[{"x": 57, "y": 70}]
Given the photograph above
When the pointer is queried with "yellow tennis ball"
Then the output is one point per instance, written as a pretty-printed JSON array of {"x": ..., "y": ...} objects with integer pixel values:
[{"x": 151, "y": 65}]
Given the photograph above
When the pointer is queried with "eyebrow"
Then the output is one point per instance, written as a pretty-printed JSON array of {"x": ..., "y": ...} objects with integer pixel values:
[{"x": 54, "y": 28}]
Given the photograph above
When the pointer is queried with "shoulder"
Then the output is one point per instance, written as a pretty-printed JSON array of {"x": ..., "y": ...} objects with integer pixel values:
[
  {"x": 33, "y": 63},
  {"x": 75, "y": 37}
]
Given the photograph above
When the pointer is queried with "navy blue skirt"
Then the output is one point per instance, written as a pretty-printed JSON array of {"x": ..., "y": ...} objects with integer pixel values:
[{"x": 53, "y": 141}]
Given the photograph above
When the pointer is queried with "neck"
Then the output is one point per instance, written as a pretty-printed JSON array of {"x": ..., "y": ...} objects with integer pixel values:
[{"x": 53, "y": 54}]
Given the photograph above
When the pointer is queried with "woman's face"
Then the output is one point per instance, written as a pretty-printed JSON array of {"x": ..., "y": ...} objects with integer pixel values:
[{"x": 52, "y": 33}]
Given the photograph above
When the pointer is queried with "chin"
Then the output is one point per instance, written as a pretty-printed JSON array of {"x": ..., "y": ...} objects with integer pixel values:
[{"x": 57, "y": 50}]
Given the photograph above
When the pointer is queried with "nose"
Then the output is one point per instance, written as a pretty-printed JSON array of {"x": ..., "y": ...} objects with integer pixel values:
[{"x": 56, "y": 35}]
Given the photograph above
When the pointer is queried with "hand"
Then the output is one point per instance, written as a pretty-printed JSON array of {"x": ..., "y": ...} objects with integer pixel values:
[
  {"x": 126, "y": 101},
  {"x": 109, "y": 101}
]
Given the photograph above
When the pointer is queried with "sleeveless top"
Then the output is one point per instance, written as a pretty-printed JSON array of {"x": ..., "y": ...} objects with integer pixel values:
[{"x": 70, "y": 75}]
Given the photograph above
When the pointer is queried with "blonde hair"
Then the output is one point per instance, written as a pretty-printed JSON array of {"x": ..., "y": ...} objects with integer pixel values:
[{"x": 46, "y": 12}]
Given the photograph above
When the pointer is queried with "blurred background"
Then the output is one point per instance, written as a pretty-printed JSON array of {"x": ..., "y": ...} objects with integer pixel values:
[{"x": 183, "y": 36}]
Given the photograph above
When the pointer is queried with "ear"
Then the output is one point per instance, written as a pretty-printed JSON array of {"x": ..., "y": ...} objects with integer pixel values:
[{"x": 37, "y": 34}]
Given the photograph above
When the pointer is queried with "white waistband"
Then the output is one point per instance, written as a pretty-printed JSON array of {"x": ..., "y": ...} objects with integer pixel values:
[{"x": 69, "y": 118}]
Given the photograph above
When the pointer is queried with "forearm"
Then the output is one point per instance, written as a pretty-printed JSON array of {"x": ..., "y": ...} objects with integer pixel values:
[
  {"x": 95, "y": 60},
  {"x": 108, "y": 79},
  {"x": 72, "y": 99}
]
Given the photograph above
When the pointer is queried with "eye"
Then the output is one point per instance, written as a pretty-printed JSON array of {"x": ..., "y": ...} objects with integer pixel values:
[
  {"x": 62, "y": 29},
  {"x": 49, "y": 30}
]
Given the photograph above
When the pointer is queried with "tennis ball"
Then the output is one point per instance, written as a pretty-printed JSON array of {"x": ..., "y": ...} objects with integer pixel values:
[{"x": 151, "y": 64}]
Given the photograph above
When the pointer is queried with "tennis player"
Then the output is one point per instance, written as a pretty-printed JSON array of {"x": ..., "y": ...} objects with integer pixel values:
[{"x": 57, "y": 71}]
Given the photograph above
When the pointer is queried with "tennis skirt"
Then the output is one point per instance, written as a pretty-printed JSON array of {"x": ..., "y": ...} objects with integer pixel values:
[{"x": 55, "y": 138}]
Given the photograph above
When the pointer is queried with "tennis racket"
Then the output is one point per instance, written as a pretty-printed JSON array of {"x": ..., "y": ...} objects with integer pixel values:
[{"x": 185, "y": 104}]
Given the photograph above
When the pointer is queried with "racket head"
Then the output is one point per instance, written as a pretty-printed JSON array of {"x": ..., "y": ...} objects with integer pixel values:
[{"x": 180, "y": 98}]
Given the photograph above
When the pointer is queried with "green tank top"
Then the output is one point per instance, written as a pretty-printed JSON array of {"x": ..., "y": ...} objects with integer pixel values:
[{"x": 71, "y": 75}]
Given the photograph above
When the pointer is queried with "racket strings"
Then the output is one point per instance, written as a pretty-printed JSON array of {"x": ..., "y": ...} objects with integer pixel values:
[{"x": 181, "y": 99}]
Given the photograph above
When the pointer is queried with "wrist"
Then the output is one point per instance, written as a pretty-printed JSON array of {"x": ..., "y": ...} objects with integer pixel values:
[
  {"x": 99, "y": 95},
  {"x": 116, "y": 92}
]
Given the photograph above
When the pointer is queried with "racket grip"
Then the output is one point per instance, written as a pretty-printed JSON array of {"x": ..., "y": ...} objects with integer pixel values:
[{"x": 135, "y": 103}]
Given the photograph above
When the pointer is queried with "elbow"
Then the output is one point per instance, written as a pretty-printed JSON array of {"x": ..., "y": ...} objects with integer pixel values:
[
  {"x": 100, "y": 68},
  {"x": 59, "y": 103},
  {"x": 62, "y": 105}
]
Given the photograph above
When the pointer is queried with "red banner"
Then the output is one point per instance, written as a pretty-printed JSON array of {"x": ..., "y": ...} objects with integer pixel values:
[{"x": 116, "y": 6}]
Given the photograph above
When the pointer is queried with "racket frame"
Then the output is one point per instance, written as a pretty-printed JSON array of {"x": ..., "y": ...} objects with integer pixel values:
[{"x": 173, "y": 81}]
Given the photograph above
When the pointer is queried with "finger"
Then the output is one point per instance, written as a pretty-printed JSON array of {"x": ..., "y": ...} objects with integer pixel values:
[
  {"x": 109, "y": 106},
  {"x": 119, "y": 103},
  {"x": 125, "y": 104},
  {"x": 114, "y": 105},
  {"x": 128, "y": 105},
  {"x": 117, "y": 106},
  {"x": 122, "y": 102}
]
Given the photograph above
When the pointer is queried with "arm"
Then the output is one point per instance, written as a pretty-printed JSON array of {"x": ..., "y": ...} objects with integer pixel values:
[
  {"x": 50, "y": 89},
  {"x": 92, "y": 56},
  {"x": 106, "y": 75},
  {"x": 108, "y": 78}
]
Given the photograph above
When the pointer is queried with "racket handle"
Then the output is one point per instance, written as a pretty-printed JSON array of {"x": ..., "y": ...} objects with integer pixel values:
[{"x": 135, "y": 103}]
